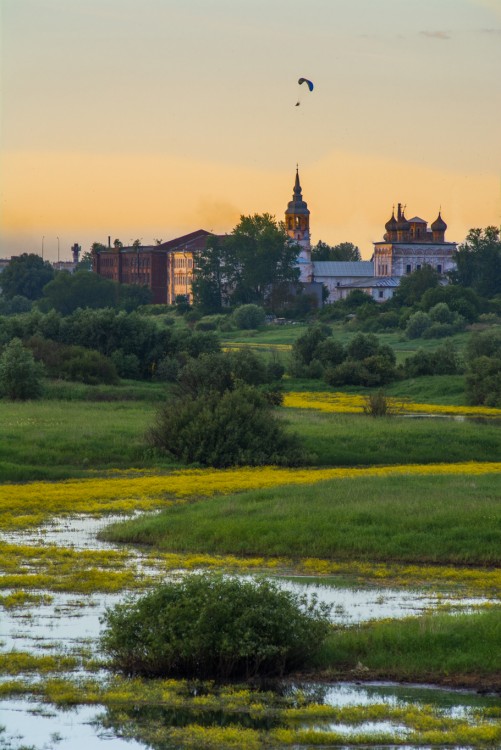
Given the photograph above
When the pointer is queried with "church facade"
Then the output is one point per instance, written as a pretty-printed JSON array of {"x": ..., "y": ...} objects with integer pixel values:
[{"x": 407, "y": 245}]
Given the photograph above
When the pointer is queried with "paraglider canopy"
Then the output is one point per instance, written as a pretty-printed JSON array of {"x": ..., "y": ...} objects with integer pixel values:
[{"x": 308, "y": 83}]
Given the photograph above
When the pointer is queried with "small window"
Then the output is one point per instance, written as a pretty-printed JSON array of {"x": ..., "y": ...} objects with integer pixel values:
[
  {"x": 408, "y": 268},
  {"x": 439, "y": 268},
  {"x": 418, "y": 267},
  {"x": 381, "y": 294}
]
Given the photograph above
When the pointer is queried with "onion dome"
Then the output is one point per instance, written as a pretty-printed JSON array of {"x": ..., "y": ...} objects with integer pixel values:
[
  {"x": 403, "y": 225},
  {"x": 391, "y": 224},
  {"x": 439, "y": 224}
]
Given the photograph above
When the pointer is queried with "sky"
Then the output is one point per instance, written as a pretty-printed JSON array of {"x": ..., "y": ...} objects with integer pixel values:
[{"x": 149, "y": 119}]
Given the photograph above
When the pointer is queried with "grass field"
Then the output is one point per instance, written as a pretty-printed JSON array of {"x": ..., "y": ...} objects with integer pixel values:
[
  {"x": 61, "y": 439},
  {"x": 463, "y": 647},
  {"x": 359, "y": 440},
  {"x": 54, "y": 439},
  {"x": 414, "y": 519}
]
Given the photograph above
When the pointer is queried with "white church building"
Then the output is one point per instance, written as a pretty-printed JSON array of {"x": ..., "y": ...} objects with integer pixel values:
[{"x": 407, "y": 245}]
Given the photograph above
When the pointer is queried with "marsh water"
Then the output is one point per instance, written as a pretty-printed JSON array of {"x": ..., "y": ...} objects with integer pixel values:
[{"x": 69, "y": 622}]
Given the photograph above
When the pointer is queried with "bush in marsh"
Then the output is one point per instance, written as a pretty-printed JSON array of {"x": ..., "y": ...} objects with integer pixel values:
[
  {"x": 215, "y": 627},
  {"x": 235, "y": 428}
]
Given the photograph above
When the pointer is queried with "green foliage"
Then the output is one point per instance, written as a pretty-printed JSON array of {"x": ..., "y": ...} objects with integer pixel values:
[
  {"x": 235, "y": 428},
  {"x": 26, "y": 275},
  {"x": 478, "y": 262},
  {"x": 305, "y": 348},
  {"x": 67, "y": 292},
  {"x": 344, "y": 251},
  {"x": 20, "y": 375},
  {"x": 208, "y": 275},
  {"x": 417, "y": 324},
  {"x": 247, "y": 317},
  {"x": 214, "y": 627},
  {"x": 441, "y": 361},
  {"x": 413, "y": 286},
  {"x": 15, "y": 305},
  {"x": 316, "y": 354},
  {"x": 461, "y": 300},
  {"x": 483, "y": 375},
  {"x": 73, "y": 362}
]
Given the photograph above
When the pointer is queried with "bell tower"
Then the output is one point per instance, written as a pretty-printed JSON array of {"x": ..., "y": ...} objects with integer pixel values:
[{"x": 297, "y": 224}]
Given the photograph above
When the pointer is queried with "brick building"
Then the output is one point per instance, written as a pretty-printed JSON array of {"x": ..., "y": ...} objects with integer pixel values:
[{"x": 165, "y": 268}]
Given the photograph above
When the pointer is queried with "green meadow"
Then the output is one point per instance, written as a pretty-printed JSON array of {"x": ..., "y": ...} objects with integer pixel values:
[
  {"x": 404, "y": 519},
  {"x": 57, "y": 439}
]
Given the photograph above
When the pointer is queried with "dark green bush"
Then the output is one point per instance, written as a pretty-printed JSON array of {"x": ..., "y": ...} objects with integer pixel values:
[
  {"x": 483, "y": 376},
  {"x": 247, "y": 317},
  {"x": 235, "y": 428},
  {"x": 20, "y": 375},
  {"x": 442, "y": 361},
  {"x": 214, "y": 627},
  {"x": 73, "y": 362}
]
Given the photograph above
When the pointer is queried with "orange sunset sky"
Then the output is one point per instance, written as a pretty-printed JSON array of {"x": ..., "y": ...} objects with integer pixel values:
[{"x": 152, "y": 118}]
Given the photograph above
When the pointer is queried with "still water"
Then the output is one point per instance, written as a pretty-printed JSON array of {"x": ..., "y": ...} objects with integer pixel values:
[{"x": 71, "y": 622}]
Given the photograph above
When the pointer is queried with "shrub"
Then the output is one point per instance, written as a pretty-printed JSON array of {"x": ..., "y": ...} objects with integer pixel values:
[
  {"x": 379, "y": 405},
  {"x": 214, "y": 627},
  {"x": 73, "y": 362},
  {"x": 483, "y": 377},
  {"x": 483, "y": 381},
  {"x": 20, "y": 375},
  {"x": 440, "y": 313},
  {"x": 438, "y": 331},
  {"x": 443, "y": 361},
  {"x": 417, "y": 325},
  {"x": 127, "y": 365},
  {"x": 237, "y": 428},
  {"x": 167, "y": 370},
  {"x": 249, "y": 316}
]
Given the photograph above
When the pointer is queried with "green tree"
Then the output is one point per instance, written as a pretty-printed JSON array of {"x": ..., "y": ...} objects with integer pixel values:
[
  {"x": 259, "y": 255},
  {"x": 26, "y": 275},
  {"x": 413, "y": 286},
  {"x": 20, "y": 375},
  {"x": 478, "y": 262},
  {"x": 67, "y": 292},
  {"x": 344, "y": 251},
  {"x": 208, "y": 277}
]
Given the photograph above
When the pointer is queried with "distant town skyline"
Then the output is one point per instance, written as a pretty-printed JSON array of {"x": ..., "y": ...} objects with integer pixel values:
[{"x": 153, "y": 118}]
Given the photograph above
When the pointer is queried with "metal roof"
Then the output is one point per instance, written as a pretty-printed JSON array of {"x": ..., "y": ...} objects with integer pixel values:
[
  {"x": 343, "y": 268},
  {"x": 373, "y": 282}
]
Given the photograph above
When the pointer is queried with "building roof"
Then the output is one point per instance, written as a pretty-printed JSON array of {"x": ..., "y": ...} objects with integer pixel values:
[
  {"x": 417, "y": 220},
  {"x": 373, "y": 282},
  {"x": 186, "y": 239},
  {"x": 412, "y": 245},
  {"x": 343, "y": 268}
]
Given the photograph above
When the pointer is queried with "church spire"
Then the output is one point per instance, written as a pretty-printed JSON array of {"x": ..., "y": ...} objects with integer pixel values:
[
  {"x": 298, "y": 193},
  {"x": 297, "y": 224}
]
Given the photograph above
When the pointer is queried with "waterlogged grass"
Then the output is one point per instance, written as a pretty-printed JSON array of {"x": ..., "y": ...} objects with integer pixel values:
[
  {"x": 21, "y": 662},
  {"x": 397, "y": 514},
  {"x": 341, "y": 403},
  {"x": 51, "y": 568},
  {"x": 459, "y": 647},
  {"x": 141, "y": 710},
  {"x": 358, "y": 440},
  {"x": 32, "y": 504}
]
